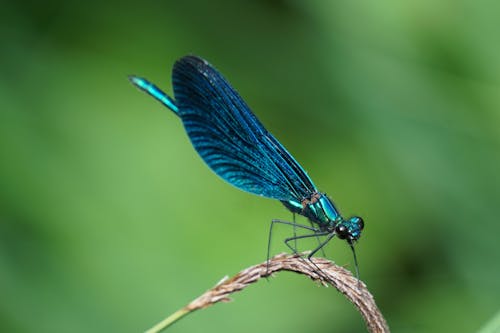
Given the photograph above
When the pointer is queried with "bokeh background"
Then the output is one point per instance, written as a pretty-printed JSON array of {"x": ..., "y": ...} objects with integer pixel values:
[{"x": 109, "y": 221}]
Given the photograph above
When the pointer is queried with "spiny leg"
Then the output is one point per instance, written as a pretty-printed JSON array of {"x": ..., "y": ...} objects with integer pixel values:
[
  {"x": 295, "y": 231},
  {"x": 355, "y": 261},
  {"x": 316, "y": 234},
  {"x": 321, "y": 245},
  {"x": 319, "y": 242},
  {"x": 315, "y": 230}
]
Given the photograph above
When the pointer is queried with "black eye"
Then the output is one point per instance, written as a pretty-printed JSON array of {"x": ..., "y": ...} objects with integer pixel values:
[
  {"x": 361, "y": 223},
  {"x": 342, "y": 231}
]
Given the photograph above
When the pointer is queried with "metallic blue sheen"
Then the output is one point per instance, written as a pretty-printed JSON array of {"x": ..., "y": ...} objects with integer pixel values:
[
  {"x": 237, "y": 147},
  {"x": 154, "y": 91}
]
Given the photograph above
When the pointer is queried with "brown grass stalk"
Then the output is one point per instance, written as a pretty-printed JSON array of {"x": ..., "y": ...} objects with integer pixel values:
[{"x": 327, "y": 274}]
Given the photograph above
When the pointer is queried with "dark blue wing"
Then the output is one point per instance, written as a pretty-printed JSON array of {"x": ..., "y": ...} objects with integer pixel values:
[{"x": 229, "y": 137}]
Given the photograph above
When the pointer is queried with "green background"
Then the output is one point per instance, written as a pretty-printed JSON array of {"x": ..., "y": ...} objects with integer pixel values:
[{"x": 109, "y": 220}]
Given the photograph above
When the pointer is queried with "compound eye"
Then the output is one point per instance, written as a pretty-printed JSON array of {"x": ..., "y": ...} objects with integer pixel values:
[
  {"x": 342, "y": 231},
  {"x": 361, "y": 223}
]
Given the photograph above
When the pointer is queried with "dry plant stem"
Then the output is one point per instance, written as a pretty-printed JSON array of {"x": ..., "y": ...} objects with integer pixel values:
[{"x": 340, "y": 278}]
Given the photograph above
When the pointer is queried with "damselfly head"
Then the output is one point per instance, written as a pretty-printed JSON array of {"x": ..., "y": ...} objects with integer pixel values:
[{"x": 350, "y": 230}]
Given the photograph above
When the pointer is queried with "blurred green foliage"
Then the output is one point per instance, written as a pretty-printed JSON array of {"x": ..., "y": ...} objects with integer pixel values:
[{"x": 109, "y": 220}]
